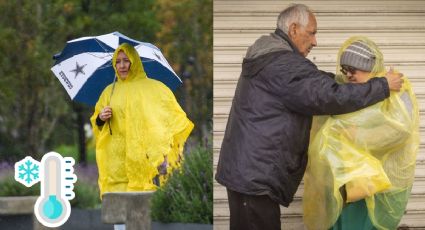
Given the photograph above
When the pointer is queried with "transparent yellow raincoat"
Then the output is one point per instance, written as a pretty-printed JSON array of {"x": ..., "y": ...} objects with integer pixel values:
[
  {"x": 147, "y": 125},
  {"x": 372, "y": 152}
]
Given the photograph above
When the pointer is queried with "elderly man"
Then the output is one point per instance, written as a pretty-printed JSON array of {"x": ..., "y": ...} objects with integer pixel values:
[{"x": 264, "y": 152}]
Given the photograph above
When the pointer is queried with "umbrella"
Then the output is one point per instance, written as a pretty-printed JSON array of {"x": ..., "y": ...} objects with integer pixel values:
[{"x": 84, "y": 67}]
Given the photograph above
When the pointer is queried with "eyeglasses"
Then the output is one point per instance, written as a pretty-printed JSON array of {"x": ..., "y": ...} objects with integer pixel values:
[{"x": 348, "y": 69}]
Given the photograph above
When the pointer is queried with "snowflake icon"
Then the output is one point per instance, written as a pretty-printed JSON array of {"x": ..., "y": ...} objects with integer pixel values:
[{"x": 27, "y": 171}]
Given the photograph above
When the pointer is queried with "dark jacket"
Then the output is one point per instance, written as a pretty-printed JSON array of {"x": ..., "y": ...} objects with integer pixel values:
[{"x": 264, "y": 150}]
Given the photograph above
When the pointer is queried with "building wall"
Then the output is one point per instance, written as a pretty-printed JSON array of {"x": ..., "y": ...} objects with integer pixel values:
[{"x": 398, "y": 27}]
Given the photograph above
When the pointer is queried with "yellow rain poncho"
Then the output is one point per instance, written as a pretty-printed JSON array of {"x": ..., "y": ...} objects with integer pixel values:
[
  {"x": 147, "y": 125},
  {"x": 372, "y": 152}
]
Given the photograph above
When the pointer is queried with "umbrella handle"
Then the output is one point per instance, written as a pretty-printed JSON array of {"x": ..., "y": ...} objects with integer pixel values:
[
  {"x": 109, "y": 125},
  {"x": 110, "y": 98}
]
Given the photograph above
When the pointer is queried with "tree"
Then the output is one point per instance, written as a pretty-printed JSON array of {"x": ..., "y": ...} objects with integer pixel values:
[
  {"x": 31, "y": 102},
  {"x": 35, "y": 113},
  {"x": 186, "y": 39}
]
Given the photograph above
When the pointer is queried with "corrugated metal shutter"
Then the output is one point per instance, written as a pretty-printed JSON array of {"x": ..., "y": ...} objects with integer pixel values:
[{"x": 398, "y": 27}]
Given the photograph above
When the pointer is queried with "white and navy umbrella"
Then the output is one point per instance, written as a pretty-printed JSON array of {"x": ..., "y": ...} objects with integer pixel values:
[{"x": 84, "y": 67}]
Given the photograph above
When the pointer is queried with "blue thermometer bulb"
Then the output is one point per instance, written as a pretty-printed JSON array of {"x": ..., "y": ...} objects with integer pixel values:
[{"x": 52, "y": 205}]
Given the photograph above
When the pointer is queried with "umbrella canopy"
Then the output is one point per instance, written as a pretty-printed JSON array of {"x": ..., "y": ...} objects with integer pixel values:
[{"x": 84, "y": 67}]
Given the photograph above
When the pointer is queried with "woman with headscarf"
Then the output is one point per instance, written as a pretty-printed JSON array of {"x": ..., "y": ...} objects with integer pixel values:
[
  {"x": 361, "y": 165},
  {"x": 139, "y": 127}
]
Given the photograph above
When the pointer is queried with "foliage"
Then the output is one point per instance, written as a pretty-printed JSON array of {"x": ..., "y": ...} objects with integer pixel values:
[
  {"x": 187, "y": 196},
  {"x": 86, "y": 195},
  {"x": 186, "y": 39},
  {"x": 32, "y": 103},
  {"x": 10, "y": 187},
  {"x": 35, "y": 110},
  {"x": 68, "y": 151},
  {"x": 135, "y": 19},
  {"x": 72, "y": 151}
]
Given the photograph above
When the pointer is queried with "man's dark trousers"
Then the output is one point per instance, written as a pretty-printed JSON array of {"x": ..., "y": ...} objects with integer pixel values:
[{"x": 251, "y": 212}]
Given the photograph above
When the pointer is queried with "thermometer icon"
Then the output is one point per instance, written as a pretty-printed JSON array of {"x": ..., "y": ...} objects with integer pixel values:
[{"x": 52, "y": 208}]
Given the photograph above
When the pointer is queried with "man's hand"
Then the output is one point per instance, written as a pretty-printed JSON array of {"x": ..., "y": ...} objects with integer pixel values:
[{"x": 394, "y": 79}]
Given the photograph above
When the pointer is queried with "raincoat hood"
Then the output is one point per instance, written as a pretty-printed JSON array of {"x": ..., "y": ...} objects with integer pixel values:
[
  {"x": 378, "y": 68},
  {"x": 136, "y": 70}
]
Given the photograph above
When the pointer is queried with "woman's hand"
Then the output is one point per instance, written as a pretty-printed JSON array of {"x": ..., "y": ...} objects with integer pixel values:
[
  {"x": 105, "y": 113},
  {"x": 162, "y": 168}
]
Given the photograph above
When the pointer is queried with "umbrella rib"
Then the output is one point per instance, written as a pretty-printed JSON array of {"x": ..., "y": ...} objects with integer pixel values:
[
  {"x": 101, "y": 57},
  {"x": 103, "y": 47}
]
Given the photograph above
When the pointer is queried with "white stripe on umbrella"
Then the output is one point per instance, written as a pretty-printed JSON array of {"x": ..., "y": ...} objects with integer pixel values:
[
  {"x": 149, "y": 52},
  {"x": 74, "y": 71}
]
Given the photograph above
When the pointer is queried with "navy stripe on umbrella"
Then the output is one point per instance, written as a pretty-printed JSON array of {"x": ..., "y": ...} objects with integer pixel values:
[{"x": 84, "y": 66}]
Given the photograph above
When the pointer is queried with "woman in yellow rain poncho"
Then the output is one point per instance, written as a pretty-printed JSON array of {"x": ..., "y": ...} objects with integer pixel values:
[
  {"x": 361, "y": 165},
  {"x": 147, "y": 128}
]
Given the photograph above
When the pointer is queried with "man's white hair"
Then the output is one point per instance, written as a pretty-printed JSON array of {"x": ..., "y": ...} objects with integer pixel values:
[{"x": 295, "y": 13}]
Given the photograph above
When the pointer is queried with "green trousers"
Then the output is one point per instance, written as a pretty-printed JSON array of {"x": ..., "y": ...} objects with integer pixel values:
[{"x": 354, "y": 217}]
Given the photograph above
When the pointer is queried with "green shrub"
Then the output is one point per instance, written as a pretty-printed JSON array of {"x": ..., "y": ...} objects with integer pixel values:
[
  {"x": 86, "y": 195},
  {"x": 187, "y": 195},
  {"x": 10, "y": 187}
]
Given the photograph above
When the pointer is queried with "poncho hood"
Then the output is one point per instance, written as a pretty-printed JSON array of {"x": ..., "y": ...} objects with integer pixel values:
[
  {"x": 136, "y": 70},
  {"x": 378, "y": 69}
]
